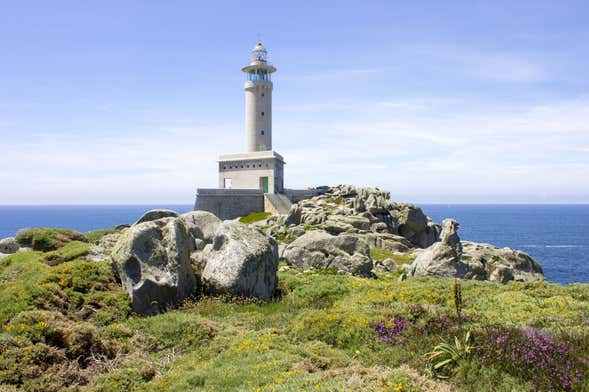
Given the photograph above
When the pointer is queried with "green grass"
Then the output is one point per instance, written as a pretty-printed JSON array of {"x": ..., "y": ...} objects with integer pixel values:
[
  {"x": 380, "y": 254},
  {"x": 254, "y": 217},
  {"x": 315, "y": 337}
]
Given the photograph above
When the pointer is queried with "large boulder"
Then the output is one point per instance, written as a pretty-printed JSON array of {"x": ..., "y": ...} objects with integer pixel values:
[
  {"x": 294, "y": 215},
  {"x": 347, "y": 254},
  {"x": 201, "y": 225},
  {"x": 241, "y": 261},
  {"x": 153, "y": 261},
  {"x": 414, "y": 225},
  {"x": 9, "y": 245},
  {"x": 501, "y": 264},
  {"x": 468, "y": 260},
  {"x": 152, "y": 215},
  {"x": 102, "y": 249},
  {"x": 442, "y": 258}
]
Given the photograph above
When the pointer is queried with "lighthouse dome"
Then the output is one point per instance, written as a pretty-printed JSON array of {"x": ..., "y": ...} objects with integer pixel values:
[{"x": 259, "y": 53}]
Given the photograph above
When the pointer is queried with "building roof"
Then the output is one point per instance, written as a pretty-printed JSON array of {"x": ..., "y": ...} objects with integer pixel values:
[{"x": 248, "y": 156}]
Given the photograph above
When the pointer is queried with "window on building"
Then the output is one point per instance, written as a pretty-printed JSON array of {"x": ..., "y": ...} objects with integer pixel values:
[
  {"x": 262, "y": 132},
  {"x": 262, "y": 113},
  {"x": 262, "y": 93}
]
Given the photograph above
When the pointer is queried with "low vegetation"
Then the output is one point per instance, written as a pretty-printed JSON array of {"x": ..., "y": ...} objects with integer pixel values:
[
  {"x": 380, "y": 254},
  {"x": 254, "y": 217},
  {"x": 95, "y": 235},
  {"x": 69, "y": 325},
  {"x": 45, "y": 239}
]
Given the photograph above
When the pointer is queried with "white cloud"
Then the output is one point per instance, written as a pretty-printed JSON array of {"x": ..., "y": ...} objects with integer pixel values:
[
  {"x": 487, "y": 64},
  {"x": 437, "y": 153}
]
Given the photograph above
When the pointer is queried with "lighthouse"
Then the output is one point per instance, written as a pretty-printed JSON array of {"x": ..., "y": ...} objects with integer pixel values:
[
  {"x": 253, "y": 181},
  {"x": 258, "y": 101},
  {"x": 259, "y": 167}
]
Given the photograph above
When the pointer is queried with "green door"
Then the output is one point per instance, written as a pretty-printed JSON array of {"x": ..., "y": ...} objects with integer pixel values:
[{"x": 264, "y": 184}]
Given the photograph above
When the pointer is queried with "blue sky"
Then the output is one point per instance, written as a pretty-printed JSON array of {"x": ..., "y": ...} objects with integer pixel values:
[{"x": 106, "y": 102}]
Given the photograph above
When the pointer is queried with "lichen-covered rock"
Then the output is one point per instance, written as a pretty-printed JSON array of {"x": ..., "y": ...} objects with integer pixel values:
[
  {"x": 201, "y": 225},
  {"x": 9, "y": 245},
  {"x": 414, "y": 225},
  {"x": 501, "y": 264},
  {"x": 386, "y": 265},
  {"x": 346, "y": 209},
  {"x": 442, "y": 258},
  {"x": 468, "y": 260},
  {"x": 294, "y": 215},
  {"x": 152, "y": 215},
  {"x": 153, "y": 261},
  {"x": 390, "y": 242},
  {"x": 102, "y": 250},
  {"x": 345, "y": 253},
  {"x": 242, "y": 261}
]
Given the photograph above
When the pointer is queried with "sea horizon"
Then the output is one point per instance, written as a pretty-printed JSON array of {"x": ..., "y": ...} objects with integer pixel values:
[{"x": 527, "y": 227}]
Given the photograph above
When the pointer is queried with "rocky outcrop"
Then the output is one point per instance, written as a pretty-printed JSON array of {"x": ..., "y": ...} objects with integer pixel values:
[
  {"x": 442, "y": 258},
  {"x": 152, "y": 215},
  {"x": 153, "y": 261},
  {"x": 500, "y": 264},
  {"x": 468, "y": 260},
  {"x": 241, "y": 261},
  {"x": 9, "y": 245},
  {"x": 345, "y": 253},
  {"x": 346, "y": 209},
  {"x": 202, "y": 226}
]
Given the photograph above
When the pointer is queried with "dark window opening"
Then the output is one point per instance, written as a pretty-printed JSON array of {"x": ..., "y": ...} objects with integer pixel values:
[
  {"x": 262, "y": 113},
  {"x": 262, "y": 132}
]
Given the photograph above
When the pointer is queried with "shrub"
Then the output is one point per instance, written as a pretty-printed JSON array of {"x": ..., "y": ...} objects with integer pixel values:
[
  {"x": 96, "y": 235},
  {"x": 70, "y": 251},
  {"x": 444, "y": 358},
  {"x": 174, "y": 329},
  {"x": 534, "y": 356},
  {"x": 389, "y": 330},
  {"x": 45, "y": 239}
]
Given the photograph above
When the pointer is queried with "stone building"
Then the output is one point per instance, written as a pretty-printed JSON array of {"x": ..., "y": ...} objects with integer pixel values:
[{"x": 252, "y": 181}]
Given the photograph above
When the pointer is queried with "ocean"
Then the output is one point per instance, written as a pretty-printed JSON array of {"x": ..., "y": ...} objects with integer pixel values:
[{"x": 555, "y": 235}]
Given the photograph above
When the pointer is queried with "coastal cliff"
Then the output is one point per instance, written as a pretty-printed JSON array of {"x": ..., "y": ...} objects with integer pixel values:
[{"x": 348, "y": 291}]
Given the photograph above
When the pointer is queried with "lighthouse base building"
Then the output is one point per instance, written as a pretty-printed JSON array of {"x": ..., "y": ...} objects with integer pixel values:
[{"x": 253, "y": 181}]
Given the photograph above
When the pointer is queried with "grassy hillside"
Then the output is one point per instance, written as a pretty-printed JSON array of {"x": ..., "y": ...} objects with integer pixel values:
[{"x": 67, "y": 324}]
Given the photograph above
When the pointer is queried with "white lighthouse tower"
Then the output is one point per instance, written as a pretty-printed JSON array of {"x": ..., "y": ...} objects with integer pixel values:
[
  {"x": 259, "y": 168},
  {"x": 258, "y": 101},
  {"x": 253, "y": 181}
]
